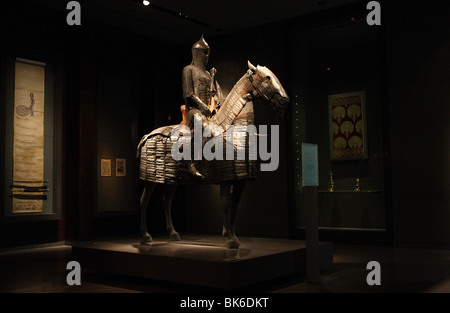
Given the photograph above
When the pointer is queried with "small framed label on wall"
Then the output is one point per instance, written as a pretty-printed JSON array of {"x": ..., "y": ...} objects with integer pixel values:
[
  {"x": 105, "y": 167},
  {"x": 121, "y": 167}
]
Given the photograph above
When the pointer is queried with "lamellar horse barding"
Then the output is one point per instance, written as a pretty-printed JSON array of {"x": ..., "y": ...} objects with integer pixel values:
[{"x": 157, "y": 164}]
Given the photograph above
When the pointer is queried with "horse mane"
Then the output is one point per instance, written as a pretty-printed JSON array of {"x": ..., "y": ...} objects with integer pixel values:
[{"x": 233, "y": 105}]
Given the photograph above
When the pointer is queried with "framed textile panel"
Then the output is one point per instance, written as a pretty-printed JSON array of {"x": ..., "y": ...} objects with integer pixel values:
[{"x": 347, "y": 126}]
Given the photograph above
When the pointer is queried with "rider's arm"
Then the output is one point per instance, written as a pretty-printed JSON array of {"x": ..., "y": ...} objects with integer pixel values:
[{"x": 189, "y": 94}]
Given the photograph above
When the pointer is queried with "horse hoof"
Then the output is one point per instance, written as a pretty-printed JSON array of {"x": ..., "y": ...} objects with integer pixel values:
[
  {"x": 146, "y": 239},
  {"x": 233, "y": 244},
  {"x": 175, "y": 236}
]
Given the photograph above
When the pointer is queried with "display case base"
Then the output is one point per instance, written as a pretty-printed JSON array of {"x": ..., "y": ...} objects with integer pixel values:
[{"x": 200, "y": 260}]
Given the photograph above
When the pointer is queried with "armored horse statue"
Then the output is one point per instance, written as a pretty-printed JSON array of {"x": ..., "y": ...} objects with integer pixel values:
[{"x": 158, "y": 165}]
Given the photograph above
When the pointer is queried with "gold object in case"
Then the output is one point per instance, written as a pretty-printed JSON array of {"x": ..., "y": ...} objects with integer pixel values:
[{"x": 331, "y": 182}]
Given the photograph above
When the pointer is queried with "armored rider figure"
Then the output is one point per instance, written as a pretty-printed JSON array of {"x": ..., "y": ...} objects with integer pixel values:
[{"x": 198, "y": 90}]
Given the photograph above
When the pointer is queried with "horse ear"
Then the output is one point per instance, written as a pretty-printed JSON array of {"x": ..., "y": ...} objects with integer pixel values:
[{"x": 252, "y": 67}]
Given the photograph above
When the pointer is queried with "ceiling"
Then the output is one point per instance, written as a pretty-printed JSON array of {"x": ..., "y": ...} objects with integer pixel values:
[{"x": 181, "y": 21}]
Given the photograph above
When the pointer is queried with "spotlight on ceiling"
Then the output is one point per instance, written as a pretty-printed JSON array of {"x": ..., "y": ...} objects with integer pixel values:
[{"x": 146, "y": 2}]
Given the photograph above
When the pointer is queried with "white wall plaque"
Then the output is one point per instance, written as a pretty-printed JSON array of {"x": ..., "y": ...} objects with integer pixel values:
[{"x": 310, "y": 165}]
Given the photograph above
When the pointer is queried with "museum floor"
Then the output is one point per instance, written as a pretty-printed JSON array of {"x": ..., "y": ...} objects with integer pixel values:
[{"x": 405, "y": 270}]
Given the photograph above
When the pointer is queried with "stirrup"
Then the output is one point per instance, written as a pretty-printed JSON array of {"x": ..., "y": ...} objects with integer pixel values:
[{"x": 193, "y": 171}]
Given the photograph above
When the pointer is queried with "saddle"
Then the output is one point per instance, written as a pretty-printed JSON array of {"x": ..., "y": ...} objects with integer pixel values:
[{"x": 183, "y": 114}]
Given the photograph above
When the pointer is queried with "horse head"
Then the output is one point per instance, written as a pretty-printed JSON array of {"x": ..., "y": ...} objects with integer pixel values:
[{"x": 269, "y": 87}]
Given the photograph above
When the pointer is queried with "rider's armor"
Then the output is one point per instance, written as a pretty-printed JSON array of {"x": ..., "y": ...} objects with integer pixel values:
[
  {"x": 196, "y": 82},
  {"x": 197, "y": 92}
]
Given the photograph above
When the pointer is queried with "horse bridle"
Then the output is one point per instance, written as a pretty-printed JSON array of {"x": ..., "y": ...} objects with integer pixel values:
[{"x": 257, "y": 82}]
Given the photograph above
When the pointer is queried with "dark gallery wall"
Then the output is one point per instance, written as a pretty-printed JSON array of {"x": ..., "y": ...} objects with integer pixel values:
[
  {"x": 113, "y": 87},
  {"x": 418, "y": 49},
  {"x": 403, "y": 67},
  {"x": 334, "y": 52},
  {"x": 21, "y": 36},
  {"x": 126, "y": 90}
]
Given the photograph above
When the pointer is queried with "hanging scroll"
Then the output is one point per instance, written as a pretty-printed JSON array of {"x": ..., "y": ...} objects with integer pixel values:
[{"x": 28, "y": 189}]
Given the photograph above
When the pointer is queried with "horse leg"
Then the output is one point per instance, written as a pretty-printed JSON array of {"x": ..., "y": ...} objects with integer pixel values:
[
  {"x": 145, "y": 199},
  {"x": 225, "y": 195},
  {"x": 236, "y": 196},
  {"x": 233, "y": 194},
  {"x": 167, "y": 204}
]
